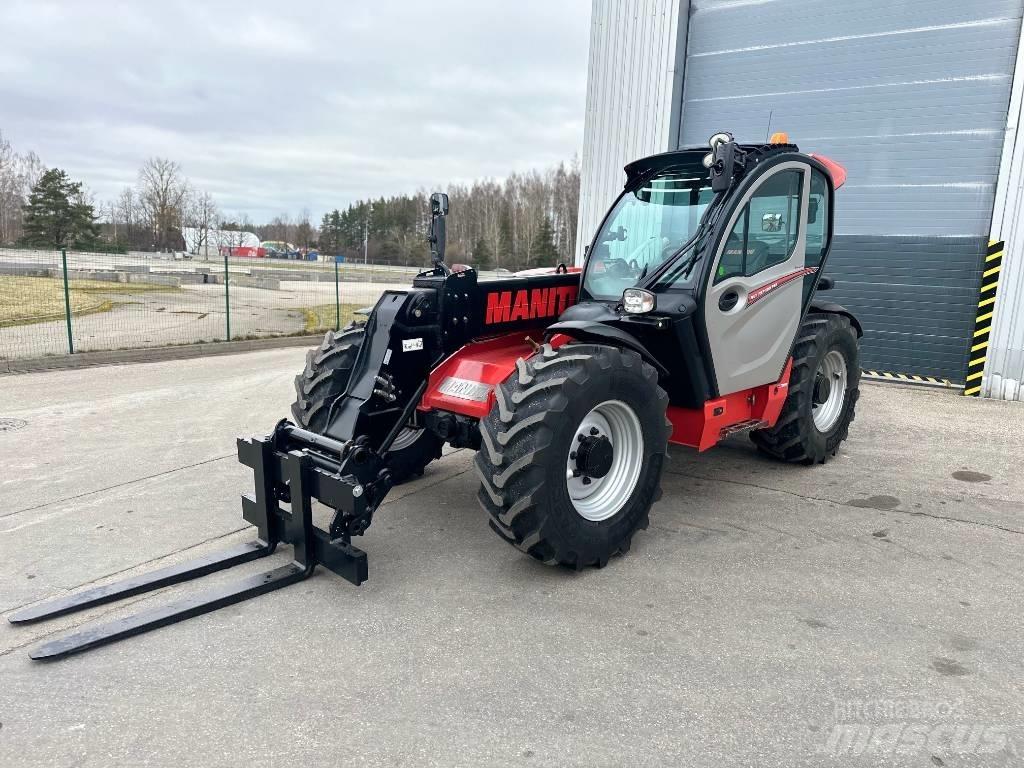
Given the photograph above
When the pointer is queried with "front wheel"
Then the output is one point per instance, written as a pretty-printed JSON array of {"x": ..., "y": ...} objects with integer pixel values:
[
  {"x": 823, "y": 391},
  {"x": 572, "y": 453}
]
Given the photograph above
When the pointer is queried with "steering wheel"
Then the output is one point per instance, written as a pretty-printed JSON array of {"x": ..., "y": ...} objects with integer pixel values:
[{"x": 619, "y": 269}]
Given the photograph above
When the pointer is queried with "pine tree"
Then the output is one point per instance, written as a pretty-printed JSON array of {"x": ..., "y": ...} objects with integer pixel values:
[
  {"x": 331, "y": 233},
  {"x": 57, "y": 215},
  {"x": 542, "y": 250},
  {"x": 324, "y": 239},
  {"x": 506, "y": 249},
  {"x": 482, "y": 258}
]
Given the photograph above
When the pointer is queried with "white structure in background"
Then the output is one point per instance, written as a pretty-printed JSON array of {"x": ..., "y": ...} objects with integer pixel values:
[
  {"x": 1004, "y": 368},
  {"x": 634, "y": 97},
  {"x": 217, "y": 241}
]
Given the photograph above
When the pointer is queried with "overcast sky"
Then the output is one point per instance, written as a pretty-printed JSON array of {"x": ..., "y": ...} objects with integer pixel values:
[{"x": 276, "y": 106}]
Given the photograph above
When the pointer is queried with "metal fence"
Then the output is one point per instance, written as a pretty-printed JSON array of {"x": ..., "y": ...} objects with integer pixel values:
[{"x": 58, "y": 303}]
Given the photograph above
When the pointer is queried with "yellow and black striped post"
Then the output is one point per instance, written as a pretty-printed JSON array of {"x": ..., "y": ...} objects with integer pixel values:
[{"x": 983, "y": 322}]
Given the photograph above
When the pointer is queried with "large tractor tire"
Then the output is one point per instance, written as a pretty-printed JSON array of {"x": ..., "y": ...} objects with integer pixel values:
[
  {"x": 823, "y": 392},
  {"x": 326, "y": 376},
  {"x": 572, "y": 453}
]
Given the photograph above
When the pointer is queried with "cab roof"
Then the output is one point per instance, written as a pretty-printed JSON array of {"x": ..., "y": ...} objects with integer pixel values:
[{"x": 690, "y": 160}]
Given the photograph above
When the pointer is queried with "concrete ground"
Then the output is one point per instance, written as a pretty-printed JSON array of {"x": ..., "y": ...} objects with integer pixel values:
[{"x": 863, "y": 612}]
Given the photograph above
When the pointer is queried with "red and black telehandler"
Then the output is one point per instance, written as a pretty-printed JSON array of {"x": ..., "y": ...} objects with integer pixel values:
[{"x": 695, "y": 317}]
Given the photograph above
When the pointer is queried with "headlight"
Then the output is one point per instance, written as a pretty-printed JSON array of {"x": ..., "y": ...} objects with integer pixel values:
[{"x": 636, "y": 301}]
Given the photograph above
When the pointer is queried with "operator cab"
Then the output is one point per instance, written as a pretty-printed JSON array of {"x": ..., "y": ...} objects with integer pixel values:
[{"x": 708, "y": 261}]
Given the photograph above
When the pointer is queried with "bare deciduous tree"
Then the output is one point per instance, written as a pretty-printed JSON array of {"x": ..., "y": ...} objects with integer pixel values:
[
  {"x": 304, "y": 233},
  {"x": 129, "y": 214},
  {"x": 162, "y": 194},
  {"x": 201, "y": 217},
  {"x": 18, "y": 174}
]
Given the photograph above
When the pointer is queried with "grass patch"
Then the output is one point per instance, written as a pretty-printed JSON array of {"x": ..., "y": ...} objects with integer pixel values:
[
  {"x": 322, "y": 317},
  {"x": 26, "y": 300}
]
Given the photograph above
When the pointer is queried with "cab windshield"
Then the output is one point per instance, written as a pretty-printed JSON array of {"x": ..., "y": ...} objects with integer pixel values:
[{"x": 647, "y": 226}]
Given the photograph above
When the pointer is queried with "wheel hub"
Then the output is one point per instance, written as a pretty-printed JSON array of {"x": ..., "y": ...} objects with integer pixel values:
[
  {"x": 829, "y": 396},
  {"x": 822, "y": 389},
  {"x": 604, "y": 460},
  {"x": 594, "y": 456}
]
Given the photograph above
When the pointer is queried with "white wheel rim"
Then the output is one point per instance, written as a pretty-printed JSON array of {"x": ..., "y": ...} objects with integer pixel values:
[
  {"x": 833, "y": 368},
  {"x": 405, "y": 438},
  {"x": 603, "y": 497}
]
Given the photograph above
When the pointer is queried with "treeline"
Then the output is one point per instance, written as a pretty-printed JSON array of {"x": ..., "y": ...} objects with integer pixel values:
[{"x": 528, "y": 220}]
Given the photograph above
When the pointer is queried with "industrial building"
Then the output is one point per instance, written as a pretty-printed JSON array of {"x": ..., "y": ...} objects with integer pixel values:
[{"x": 920, "y": 101}]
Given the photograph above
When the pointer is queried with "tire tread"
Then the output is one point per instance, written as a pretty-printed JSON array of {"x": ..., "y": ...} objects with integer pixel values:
[
  {"x": 789, "y": 439},
  {"x": 515, "y": 437}
]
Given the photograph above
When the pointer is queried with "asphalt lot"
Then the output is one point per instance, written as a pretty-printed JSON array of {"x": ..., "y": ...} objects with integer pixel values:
[{"x": 766, "y": 607}]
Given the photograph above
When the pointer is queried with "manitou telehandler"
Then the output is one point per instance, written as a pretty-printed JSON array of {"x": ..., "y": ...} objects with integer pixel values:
[{"x": 694, "y": 318}]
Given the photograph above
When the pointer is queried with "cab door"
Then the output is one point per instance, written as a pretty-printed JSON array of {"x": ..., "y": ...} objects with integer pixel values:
[{"x": 754, "y": 296}]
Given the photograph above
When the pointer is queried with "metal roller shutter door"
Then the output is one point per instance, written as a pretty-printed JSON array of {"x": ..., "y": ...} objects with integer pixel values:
[{"x": 912, "y": 98}]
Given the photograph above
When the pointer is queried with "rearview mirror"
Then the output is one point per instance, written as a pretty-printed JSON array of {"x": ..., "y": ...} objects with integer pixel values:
[
  {"x": 771, "y": 222},
  {"x": 439, "y": 204}
]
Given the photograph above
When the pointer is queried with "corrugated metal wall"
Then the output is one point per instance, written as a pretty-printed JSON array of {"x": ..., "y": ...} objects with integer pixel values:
[
  {"x": 634, "y": 91},
  {"x": 912, "y": 98},
  {"x": 1004, "y": 368}
]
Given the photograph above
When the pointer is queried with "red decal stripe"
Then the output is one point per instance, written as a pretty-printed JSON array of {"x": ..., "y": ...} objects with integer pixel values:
[{"x": 761, "y": 291}]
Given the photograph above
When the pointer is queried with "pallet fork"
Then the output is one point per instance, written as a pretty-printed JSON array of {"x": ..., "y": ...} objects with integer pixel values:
[{"x": 290, "y": 465}]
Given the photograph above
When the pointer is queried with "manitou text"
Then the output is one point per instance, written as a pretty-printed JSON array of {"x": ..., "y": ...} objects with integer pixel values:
[{"x": 529, "y": 303}]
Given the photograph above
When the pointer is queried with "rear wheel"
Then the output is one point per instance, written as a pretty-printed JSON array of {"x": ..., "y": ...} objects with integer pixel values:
[
  {"x": 326, "y": 376},
  {"x": 572, "y": 453},
  {"x": 823, "y": 392}
]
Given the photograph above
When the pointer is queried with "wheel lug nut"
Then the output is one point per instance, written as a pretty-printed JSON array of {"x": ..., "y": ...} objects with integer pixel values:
[
  {"x": 572, "y": 456},
  {"x": 586, "y": 480},
  {"x": 593, "y": 430},
  {"x": 580, "y": 438}
]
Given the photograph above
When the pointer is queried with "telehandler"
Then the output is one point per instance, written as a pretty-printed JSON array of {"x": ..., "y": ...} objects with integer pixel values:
[{"x": 695, "y": 317}]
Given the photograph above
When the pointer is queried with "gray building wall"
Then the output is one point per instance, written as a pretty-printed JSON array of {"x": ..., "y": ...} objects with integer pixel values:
[{"x": 911, "y": 98}]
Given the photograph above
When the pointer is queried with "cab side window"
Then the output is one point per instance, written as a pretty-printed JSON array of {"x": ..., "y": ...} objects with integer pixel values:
[
  {"x": 767, "y": 228},
  {"x": 817, "y": 219}
]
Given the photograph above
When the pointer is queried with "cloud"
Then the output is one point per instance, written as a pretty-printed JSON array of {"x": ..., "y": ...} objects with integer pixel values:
[{"x": 275, "y": 107}]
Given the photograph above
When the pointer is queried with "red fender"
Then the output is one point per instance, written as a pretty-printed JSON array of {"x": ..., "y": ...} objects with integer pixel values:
[{"x": 484, "y": 364}]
